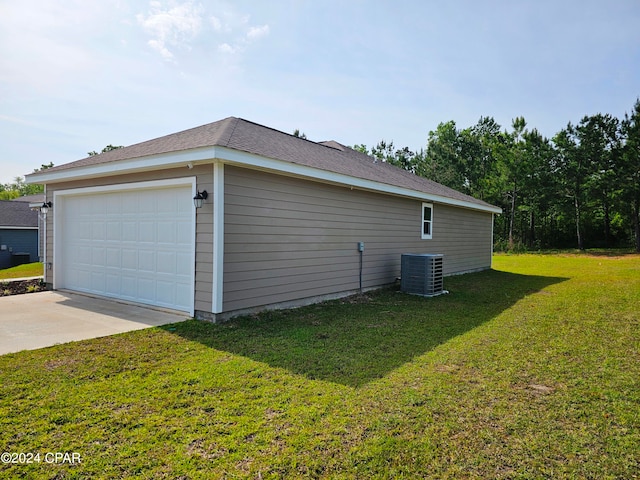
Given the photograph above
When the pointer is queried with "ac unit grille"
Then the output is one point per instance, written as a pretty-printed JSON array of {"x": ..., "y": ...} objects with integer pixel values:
[{"x": 422, "y": 274}]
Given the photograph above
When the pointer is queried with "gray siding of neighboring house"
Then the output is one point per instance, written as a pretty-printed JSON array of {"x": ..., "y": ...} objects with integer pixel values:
[
  {"x": 204, "y": 221},
  {"x": 18, "y": 241},
  {"x": 288, "y": 239}
]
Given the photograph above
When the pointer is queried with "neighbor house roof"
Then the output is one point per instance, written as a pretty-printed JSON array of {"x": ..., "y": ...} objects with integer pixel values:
[
  {"x": 35, "y": 198},
  {"x": 17, "y": 215},
  {"x": 222, "y": 140}
]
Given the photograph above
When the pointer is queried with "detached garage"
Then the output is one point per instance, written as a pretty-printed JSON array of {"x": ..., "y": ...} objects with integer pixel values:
[{"x": 280, "y": 223}]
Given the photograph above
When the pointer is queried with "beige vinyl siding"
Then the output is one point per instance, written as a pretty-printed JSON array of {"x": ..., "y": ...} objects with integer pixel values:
[
  {"x": 204, "y": 221},
  {"x": 288, "y": 239},
  {"x": 204, "y": 241}
]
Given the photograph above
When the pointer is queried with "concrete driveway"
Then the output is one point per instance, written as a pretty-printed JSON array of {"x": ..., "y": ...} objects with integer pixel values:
[{"x": 38, "y": 320}]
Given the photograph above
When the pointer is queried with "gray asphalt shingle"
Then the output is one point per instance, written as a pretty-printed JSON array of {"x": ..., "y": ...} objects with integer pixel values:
[
  {"x": 17, "y": 214},
  {"x": 246, "y": 136}
]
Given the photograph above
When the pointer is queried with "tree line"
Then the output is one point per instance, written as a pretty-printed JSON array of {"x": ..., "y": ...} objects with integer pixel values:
[
  {"x": 18, "y": 188},
  {"x": 581, "y": 188}
]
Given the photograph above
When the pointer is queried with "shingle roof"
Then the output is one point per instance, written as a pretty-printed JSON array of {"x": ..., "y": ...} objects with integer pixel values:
[
  {"x": 17, "y": 214},
  {"x": 245, "y": 136},
  {"x": 35, "y": 198}
]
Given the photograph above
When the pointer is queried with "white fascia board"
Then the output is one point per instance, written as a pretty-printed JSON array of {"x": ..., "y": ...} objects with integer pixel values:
[
  {"x": 246, "y": 159},
  {"x": 231, "y": 156},
  {"x": 152, "y": 162}
]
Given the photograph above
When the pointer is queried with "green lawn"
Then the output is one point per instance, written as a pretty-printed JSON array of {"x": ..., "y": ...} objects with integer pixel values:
[
  {"x": 26, "y": 270},
  {"x": 530, "y": 370}
]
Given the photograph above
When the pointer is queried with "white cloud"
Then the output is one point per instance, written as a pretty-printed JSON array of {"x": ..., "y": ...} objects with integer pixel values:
[
  {"x": 257, "y": 32},
  {"x": 227, "y": 49},
  {"x": 216, "y": 23},
  {"x": 245, "y": 34},
  {"x": 173, "y": 26}
]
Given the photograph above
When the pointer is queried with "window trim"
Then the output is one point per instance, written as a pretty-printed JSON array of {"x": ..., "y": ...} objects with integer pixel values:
[{"x": 423, "y": 235}]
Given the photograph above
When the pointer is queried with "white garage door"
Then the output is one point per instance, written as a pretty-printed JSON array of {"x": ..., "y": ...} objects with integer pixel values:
[{"x": 135, "y": 245}]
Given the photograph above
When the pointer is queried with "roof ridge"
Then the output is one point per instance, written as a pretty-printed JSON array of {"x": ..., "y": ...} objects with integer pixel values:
[{"x": 230, "y": 122}]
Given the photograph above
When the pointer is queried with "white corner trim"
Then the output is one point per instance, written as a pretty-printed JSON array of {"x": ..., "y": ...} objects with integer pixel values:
[{"x": 218, "y": 238}]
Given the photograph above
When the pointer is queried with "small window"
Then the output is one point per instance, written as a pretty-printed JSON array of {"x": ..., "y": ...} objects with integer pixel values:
[{"x": 427, "y": 220}]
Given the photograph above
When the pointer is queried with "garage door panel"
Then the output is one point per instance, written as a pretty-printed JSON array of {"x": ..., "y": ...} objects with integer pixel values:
[
  {"x": 146, "y": 261},
  {"x": 98, "y": 283},
  {"x": 114, "y": 230},
  {"x": 146, "y": 204},
  {"x": 98, "y": 256},
  {"x": 129, "y": 231},
  {"x": 166, "y": 232},
  {"x": 98, "y": 229},
  {"x": 165, "y": 291},
  {"x": 82, "y": 231},
  {"x": 114, "y": 285},
  {"x": 134, "y": 245},
  {"x": 129, "y": 287},
  {"x": 166, "y": 262},
  {"x": 113, "y": 257},
  {"x": 146, "y": 232},
  {"x": 184, "y": 264}
]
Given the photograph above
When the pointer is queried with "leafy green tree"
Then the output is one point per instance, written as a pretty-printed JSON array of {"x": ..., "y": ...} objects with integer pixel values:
[
  {"x": 383, "y": 151},
  {"x": 362, "y": 148},
  {"x": 572, "y": 169},
  {"x": 482, "y": 161},
  {"x": 600, "y": 141},
  {"x": 442, "y": 159},
  {"x": 18, "y": 188},
  {"x": 582, "y": 186},
  {"x": 630, "y": 168},
  {"x": 538, "y": 184},
  {"x": 297, "y": 133},
  {"x": 511, "y": 153},
  {"x": 106, "y": 149}
]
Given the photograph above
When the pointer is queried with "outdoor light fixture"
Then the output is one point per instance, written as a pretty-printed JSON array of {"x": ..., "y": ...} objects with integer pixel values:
[
  {"x": 200, "y": 198},
  {"x": 44, "y": 209}
]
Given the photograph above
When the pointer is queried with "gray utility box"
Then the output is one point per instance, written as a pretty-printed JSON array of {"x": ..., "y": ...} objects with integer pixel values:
[{"x": 421, "y": 274}]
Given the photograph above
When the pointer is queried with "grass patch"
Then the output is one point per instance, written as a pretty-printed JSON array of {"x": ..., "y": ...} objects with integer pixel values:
[
  {"x": 526, "y": 371},
  {"x": 25, "y": 270}
]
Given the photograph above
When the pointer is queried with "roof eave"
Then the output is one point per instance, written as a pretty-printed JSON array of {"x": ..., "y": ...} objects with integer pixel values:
[
  {"x": 236, "y": 157},
  {"x": 130, "y": 165},
  {"x": 244, "y": 159}
]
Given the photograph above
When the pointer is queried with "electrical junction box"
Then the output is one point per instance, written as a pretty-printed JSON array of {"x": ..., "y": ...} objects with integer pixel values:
[{"x": 361, "y": 246}]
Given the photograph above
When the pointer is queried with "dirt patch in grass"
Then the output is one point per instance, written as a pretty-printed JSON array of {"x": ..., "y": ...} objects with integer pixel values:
[{"x": 20, "y": 287}]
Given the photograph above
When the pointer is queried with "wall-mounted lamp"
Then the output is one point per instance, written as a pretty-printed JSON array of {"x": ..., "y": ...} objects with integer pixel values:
[
  {"x": 44, "y": 209},
  {"x": 200, "y": 198}
]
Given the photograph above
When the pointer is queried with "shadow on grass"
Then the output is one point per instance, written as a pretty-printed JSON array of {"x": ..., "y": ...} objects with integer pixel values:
[{"x": 359, "y": 339}]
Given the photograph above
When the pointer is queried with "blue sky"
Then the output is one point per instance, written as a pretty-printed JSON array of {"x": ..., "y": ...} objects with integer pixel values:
[{"x": 76, "y": 75}]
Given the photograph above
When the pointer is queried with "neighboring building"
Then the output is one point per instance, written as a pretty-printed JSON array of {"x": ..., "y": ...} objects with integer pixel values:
[
  {"x": 35, "y": 199},
  {"x": 280, "y": 225},
  {"x": 18, "y": 234}
]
